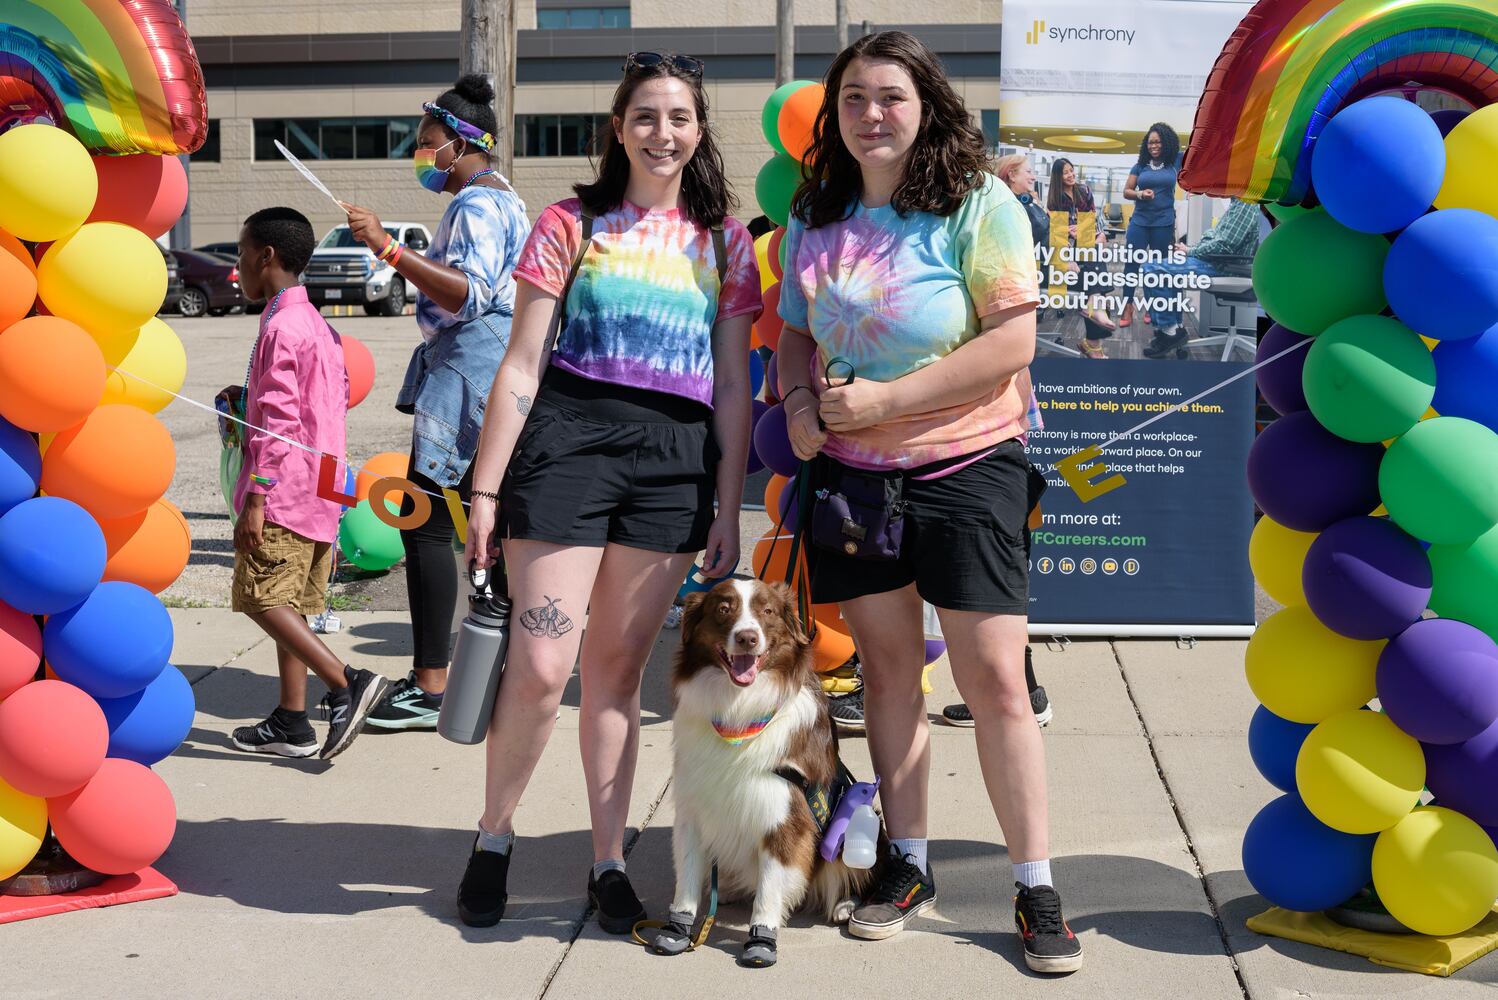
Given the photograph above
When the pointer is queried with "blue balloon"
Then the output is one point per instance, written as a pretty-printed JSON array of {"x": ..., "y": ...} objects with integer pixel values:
[
  {"x": 148, "y": 725},
  {"x": 20, "y": 466},
  {"x": 113, "y": 644},
  {"x": 1466, "y": 376},
  {"x": 1274, "y": 743},
  {"x": 51, "y": 555},
  {"x": 756, "y": 373},
  {"x": 1297, "y": 862},
  {"x": 1441, "y": 275},
  {"x": 1378, "y": 164},
  {"x": 1448, "y": 118}
]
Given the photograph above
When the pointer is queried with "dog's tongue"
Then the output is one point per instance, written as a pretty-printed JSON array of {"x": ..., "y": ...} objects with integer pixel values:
[{"x": 742, "y": 667}]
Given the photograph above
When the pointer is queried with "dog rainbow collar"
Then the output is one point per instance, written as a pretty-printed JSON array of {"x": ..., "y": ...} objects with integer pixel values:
[{"x": 734, "y": 735}]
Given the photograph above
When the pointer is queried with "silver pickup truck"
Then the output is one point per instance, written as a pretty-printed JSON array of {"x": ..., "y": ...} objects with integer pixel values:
[{"x": 343, "y": 271}]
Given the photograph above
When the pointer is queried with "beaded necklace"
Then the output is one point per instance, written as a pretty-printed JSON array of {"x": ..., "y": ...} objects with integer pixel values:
[{"x": 467, "y": 183}]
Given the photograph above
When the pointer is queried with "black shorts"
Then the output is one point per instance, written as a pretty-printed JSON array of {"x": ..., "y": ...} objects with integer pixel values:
[
  {"x": 599, "y": 463},
  {"x": 966, "y": 542}
]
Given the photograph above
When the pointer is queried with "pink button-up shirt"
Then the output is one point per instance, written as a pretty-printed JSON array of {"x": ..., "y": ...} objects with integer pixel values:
[{"x": 298, "y": 389}]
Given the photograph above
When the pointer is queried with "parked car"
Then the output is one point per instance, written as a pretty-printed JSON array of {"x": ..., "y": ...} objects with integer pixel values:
[
  {"x": 173, "y": 284},
  {"x": 210, "y": 285},
  {"x": 344, "y": 271},
  {"x": 232, "y": 249}
]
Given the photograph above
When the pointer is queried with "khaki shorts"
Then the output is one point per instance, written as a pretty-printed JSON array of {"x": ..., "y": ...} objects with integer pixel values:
[{"x": 286, "y": 570}]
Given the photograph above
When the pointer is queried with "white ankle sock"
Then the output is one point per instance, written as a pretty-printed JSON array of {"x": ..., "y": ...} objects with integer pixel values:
[
  {"x": 498, "y": 843},
  {"x": 1032, "y": 873},
  {"x": 606, "y": 865},
  {"x": 914, "y": 847}
]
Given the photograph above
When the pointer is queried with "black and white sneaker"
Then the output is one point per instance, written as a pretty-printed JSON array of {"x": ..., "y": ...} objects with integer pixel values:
[
  {"x": 960, "y": 715},
  {"x": 1050, "y": 945},
  {"x": 900, "y": 891},
  {"x": 273, "y": 736},
  {"x": 847, "y": 711},
  {"x": 347, "y": 710},
  {"x": 406, "y": 706}
]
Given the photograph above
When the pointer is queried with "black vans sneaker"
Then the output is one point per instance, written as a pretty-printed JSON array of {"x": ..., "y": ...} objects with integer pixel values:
[
  {"x": 274, "y": 736},
  {"x": 482, "y": 894},
  {"x": 900, "y": 891},
  {"x": 406, "y": 706},
  {"x": 619, "y": 909},
  {"x": 346, "y": 710},
  {"x": 1050, "y": 946},
  {"x": 847, "y": 711},
  {"x": 960, "y": 715}
]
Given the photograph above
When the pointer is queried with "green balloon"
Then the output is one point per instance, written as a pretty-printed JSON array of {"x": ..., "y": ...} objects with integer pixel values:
[
  {"x": 1284, "y": 213},
  {"x": 1369, "y": 378},
  {"x": 1312, "y": 271},
  {"x": 1466, "y": 578},
  {"x": 368, "y": 542},
  {"x": 776, "y": 186},
  {"x": 769, "y": 118},
  {"x": 1440, "y": 480}
]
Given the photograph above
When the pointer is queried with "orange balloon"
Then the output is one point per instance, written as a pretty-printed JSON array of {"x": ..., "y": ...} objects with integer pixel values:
[
  {"x": 773, "y": 489},
  {"x": 769, "y": 324},
  {"x": 51, "y": 373},
  {"x": 149, "y": 548},
  {"x": 831, "y": 615},
  {"x": 17, "y": 280},
  {"x": 797, "y": 116},
  {"x": 777, "y": 550},
  {"x": 359, "y": 363},
  {"x": 830, "y": 649},
  {"x": 386, "y": 463},
  {"x": 117, "y": 462}
]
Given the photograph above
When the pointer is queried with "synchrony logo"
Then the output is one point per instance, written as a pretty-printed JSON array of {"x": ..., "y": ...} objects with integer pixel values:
[{"x": 1077, "y": 33}]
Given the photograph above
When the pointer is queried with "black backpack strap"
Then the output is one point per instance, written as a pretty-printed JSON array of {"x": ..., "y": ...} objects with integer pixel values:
[
  {"x": 560, "y": 319},
  {"x": 720, "y": 253}
]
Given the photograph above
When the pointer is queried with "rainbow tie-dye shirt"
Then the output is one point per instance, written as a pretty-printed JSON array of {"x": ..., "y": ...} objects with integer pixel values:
[
  {"x": 892, "y": 295},
  {"x": 642, "y": 310}
]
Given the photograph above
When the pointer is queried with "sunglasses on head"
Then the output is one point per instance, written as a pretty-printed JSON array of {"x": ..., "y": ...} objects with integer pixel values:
[{"x": 646, "y": 60}]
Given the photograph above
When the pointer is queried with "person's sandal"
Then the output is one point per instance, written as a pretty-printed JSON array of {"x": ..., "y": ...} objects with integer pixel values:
[{"x": 1093, "y": 349}]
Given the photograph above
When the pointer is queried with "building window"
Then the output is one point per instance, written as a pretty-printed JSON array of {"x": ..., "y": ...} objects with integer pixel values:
[
  {"x": 559, "y": 135},
  {"x": 209, "y": 151},
  {"x": 336, "y": 138},
  {"x": 991, "y": 128},
  {"x": 554, "y": 18}
]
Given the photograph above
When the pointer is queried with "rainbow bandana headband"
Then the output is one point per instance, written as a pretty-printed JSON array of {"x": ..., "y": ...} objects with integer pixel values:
[
  {"x": 474, "y": 134},
  {"x": 734, "y": 735}
]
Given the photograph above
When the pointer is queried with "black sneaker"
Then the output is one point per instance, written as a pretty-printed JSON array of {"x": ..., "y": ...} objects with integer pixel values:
[
  {"x": 847, "y": 711},
  {"x": 482, "y": 893},
  {"x": 960, "y": 715},
  {"x": 273, "y": 736},
  {"x": 1166, "y": 344},
  {"x": 1050, "y": 946},
  {"x": 347, "y": 709},
  {"x": 406, "y": 706},
  {"x": 619, "y": 909},
  {"x": 900, "y": 891}
]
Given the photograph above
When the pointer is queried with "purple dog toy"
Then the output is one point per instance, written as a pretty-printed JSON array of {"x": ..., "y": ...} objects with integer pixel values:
[{"x": 860, "y": 793}]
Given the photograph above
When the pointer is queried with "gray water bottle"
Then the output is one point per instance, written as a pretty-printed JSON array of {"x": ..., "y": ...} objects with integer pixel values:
[{"x": 478, "y": 661}]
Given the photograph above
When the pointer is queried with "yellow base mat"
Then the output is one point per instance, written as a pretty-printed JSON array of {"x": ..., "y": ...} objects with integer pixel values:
[{"x": 1434, "y": 956}]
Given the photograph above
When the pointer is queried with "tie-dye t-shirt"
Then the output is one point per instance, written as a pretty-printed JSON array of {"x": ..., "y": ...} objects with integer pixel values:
[
  {"x": 480, "y": 234},
  {"x": 892, "y": 295},
  {"x": 642, "y": 309}
]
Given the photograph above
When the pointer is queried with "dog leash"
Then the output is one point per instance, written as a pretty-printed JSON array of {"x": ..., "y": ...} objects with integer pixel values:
[{"x": 700, "y": 937}]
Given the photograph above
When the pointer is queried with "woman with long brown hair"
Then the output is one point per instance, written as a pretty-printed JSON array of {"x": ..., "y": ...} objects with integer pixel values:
[{"x": 909, "y": 305}]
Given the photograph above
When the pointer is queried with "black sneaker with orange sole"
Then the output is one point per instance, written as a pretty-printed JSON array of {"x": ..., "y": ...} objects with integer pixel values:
[{"x": 1050, "y": 945}]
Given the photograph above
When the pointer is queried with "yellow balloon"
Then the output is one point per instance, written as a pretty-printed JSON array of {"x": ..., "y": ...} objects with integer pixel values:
[
  {"x": 1436, "y": 871},
  {"x": 47, "y": 183},
  {"x": 1360, "y": 773},
  {"x": 1303, "y": 671},
  {"x": 1470, "y": 151},
  {"x": 106, "y": 277},
  {"x": 1277, "y": 554},
  {"x": 762, "y": 254},
  {"x": 23, "y": 821},
  {"x": 155, "y": 354}
]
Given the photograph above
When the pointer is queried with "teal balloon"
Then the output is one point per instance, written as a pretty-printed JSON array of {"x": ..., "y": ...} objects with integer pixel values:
[
  {"x": 1466, "y": 578},
  {"x": 1312, "y": 271},
  {"x": 776, "y": 186},
  {"x": 1369, "y": 378},
  {"x": 1440, "y": 480},
  {"x": 769, "y": 118},
  {"x": 368, "y": 542}
]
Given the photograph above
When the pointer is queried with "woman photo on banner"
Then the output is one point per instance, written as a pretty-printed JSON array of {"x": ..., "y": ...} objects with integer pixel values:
[
  {"x": 909, "y": 306},
  {"x": 622, "y": 410},
  {"x": 1075, "y": 225},
  {"x": 1151, "y": 186},
  {"x": 465, "y": 301}
]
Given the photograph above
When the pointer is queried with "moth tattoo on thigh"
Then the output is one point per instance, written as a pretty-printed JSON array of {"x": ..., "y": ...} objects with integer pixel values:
[{"x": 548, "y": 622}]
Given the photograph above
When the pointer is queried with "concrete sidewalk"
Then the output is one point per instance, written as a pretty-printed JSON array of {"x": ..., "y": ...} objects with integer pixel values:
[{"x": 303, "y": 879}]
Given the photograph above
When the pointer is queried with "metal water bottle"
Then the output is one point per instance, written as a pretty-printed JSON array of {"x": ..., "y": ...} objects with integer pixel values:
[{"x": 478, "y": 661}]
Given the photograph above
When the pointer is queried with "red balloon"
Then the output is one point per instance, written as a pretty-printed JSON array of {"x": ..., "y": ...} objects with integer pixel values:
[
  {"x": 145, "y": 191},
  {"x": 773, "y": 252},
  {"x": 53, "y": 738},
  {"x": 359, "y": 364},
  {"x": 118, "y": 823},
  {"x": 769, "y": 324},
  {"x": 20, "y": 649}
]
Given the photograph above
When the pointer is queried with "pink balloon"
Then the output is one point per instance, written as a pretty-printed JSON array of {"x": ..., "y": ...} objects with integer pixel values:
[
  {"x": 359, "y": 363},
  {"x": 20, "y": 649},
  {"x": 143, "y": 190},
  {"x": 53, "y": 738},
  {"x": 118, "y": 823}
]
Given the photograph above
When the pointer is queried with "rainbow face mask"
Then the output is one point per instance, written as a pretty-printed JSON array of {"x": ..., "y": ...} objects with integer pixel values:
[{"x": 427, "y": 175}]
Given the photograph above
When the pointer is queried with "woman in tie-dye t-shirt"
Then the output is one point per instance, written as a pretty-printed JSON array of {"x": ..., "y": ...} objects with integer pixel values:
[
  {"x": 909, "y": 267},
  {"x": 615, "y": 434}
]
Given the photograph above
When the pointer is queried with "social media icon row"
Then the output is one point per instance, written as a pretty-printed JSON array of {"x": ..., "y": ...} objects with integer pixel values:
[{"x": 1088, "y": 567}]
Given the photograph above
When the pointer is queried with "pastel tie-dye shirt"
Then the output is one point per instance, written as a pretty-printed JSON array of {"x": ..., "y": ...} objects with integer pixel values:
[
  {"x": 891, "y": 295},
  {"x": 642, "y": 310},
  {"x": 480, "y": 234}
]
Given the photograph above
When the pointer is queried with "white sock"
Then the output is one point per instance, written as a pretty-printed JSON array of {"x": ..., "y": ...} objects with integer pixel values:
[
  {"x": 606, "y": 865},
  {"x": 1033, "y": 873},
  {"x": 497, "y": 843},
  {"x": 914, "y": 847}
]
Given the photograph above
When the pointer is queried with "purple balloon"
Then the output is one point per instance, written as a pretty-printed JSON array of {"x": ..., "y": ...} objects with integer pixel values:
[
  {"x": 789, "y": 506},
  {"x": 1280, "y": 382},
  {"x": 772, "y": 374},
  {"x": 773, "y": 444},
  {"x": 1366, "y": 579},
  {"x": 1463, "y": 776},
  {"x": 934, "y": 649},
  {"x": 1438, "y": 681},
  {"x": 752, "y": 462},
  {"x": 1306, "y": 478},
  {"x": 1448, "y": 118}
]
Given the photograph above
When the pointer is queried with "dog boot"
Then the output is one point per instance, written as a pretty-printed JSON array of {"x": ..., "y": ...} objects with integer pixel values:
[
  {"x": 675, "y": 937},
  {"x": 759, "y": 950}
]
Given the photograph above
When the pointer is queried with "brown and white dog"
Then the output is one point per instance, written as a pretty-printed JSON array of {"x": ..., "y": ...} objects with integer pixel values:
[{"x": 747, "y": 703}]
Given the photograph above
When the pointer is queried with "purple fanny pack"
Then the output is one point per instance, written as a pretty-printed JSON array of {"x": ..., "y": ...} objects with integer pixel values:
[{"x": 857, "y": 513}]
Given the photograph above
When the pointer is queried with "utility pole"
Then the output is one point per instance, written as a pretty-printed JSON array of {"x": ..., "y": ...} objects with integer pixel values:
[
  {"x": 842, "y": 24},
  {"x": 487, "y": 46},
  {"x": 785, "y": 42},
  {"x": 180, "y": 235}
]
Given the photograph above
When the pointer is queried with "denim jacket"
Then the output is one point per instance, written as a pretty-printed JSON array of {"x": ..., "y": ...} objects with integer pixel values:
[{"x": 447, "y": 388}]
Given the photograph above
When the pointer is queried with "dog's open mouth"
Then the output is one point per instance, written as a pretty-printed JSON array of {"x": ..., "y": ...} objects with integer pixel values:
[{"x": 742, "y": 667}]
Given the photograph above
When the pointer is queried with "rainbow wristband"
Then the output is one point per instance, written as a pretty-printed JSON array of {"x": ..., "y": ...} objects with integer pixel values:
[
  {"x": 385, "y": 251},
  {"x": 262, "y": 480},
  {"x": 395, "y": 257}
]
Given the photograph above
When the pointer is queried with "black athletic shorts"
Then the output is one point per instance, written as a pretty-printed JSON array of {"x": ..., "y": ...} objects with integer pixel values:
[
  {"x": 599, "y": 463},
  {"x": 966, "y": 542}
]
